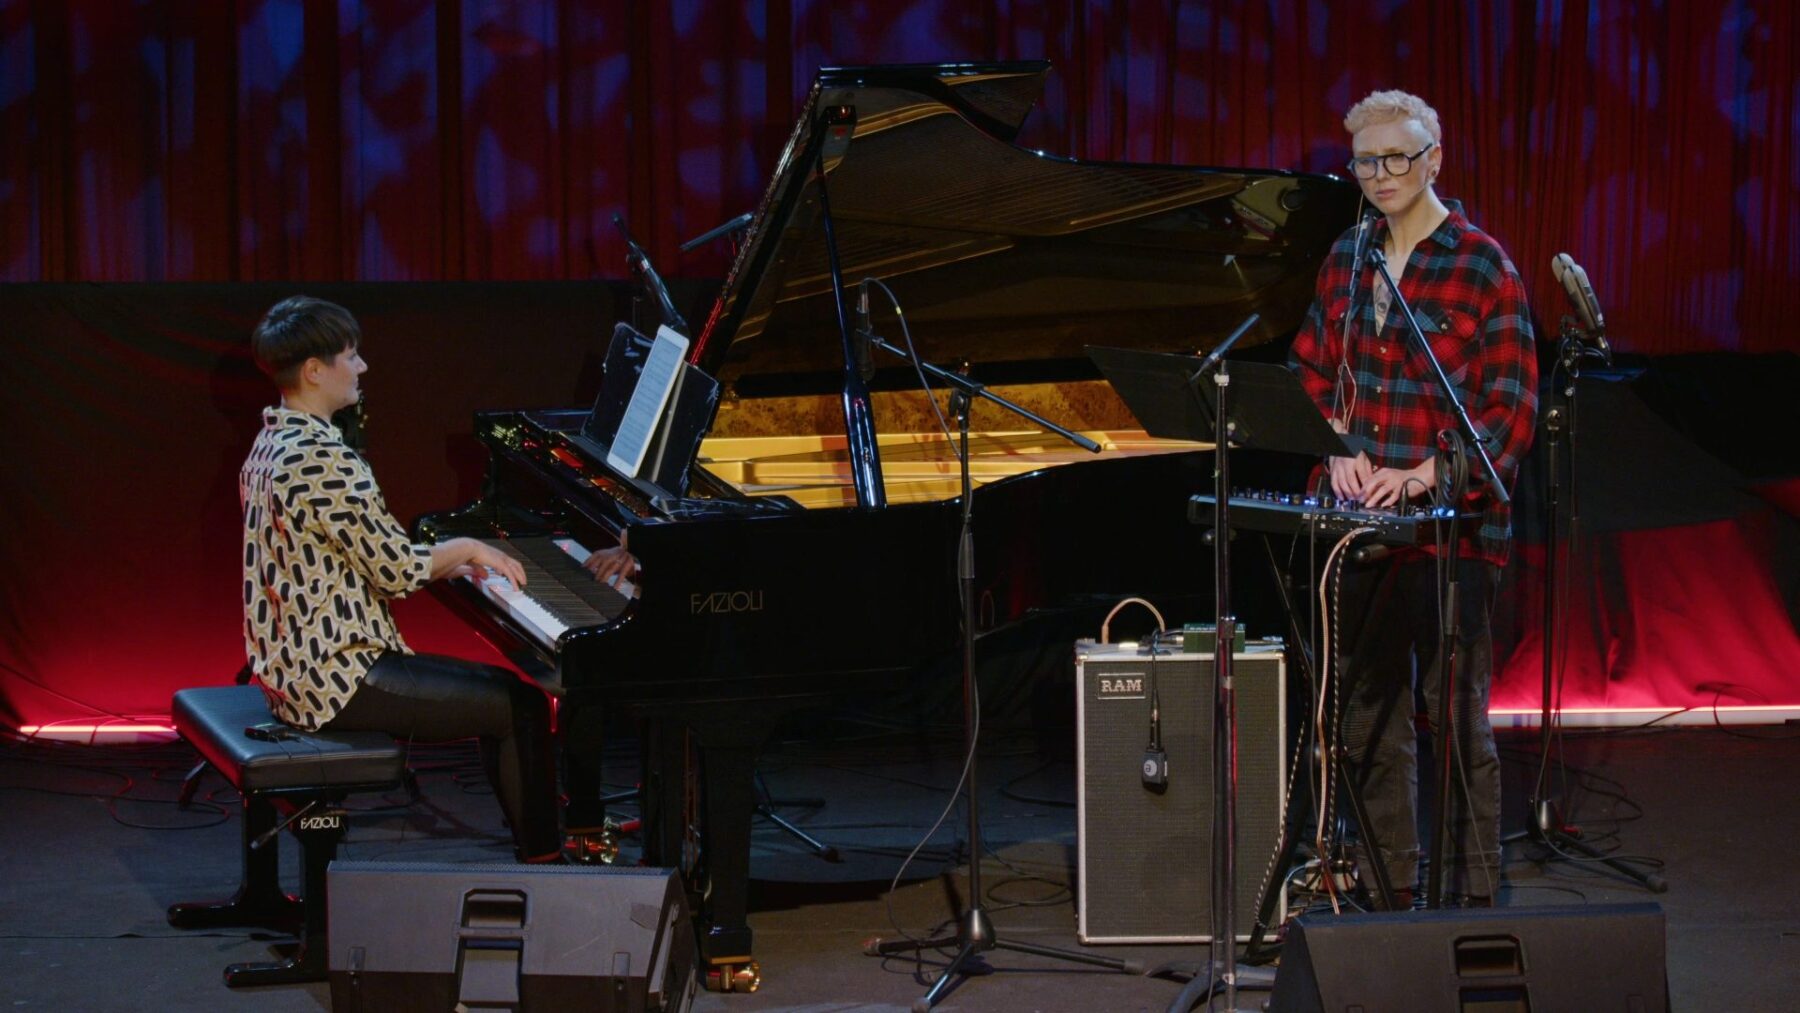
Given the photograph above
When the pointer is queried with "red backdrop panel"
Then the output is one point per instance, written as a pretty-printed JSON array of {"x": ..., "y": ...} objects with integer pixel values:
[{"x": 446, "y": 140}]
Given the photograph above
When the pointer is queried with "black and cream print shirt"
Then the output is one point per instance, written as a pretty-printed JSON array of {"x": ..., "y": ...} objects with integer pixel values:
[{"x": 322, "y": 555}]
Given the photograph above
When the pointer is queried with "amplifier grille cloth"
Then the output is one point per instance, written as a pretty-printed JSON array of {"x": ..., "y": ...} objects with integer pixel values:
[{"x": 1146, "y": 858}]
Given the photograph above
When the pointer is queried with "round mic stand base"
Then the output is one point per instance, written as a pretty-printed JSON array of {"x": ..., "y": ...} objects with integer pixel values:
[{"x": 1207, "y": 983}]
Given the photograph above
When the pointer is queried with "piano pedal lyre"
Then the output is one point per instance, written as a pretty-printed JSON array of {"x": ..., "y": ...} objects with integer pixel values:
[{"x": 729, "y": 977}]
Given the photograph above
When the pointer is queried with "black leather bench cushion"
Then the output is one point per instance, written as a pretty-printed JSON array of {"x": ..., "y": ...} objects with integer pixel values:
[{"x": 213, "y": 720}]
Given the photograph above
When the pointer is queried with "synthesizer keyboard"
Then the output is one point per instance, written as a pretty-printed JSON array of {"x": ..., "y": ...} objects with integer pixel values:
[{"x": 1293, "y": 514}]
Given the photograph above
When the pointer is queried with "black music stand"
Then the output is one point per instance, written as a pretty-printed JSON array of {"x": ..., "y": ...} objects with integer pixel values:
[
  {"x": 1163, "y": 393},
  {"x": 1172, "y": 398}
]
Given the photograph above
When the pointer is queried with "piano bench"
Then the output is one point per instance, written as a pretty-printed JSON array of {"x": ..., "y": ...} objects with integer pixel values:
[{"x": 302, "y": 774}]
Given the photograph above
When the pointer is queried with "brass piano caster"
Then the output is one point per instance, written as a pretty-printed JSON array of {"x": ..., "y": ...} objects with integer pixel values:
[
  {"x": 596, "y": 848},
  {"x": 745, "y": 977}
]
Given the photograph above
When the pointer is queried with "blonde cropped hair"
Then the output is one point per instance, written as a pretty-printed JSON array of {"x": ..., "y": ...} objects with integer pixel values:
[{"x": 1383, "y": 106}]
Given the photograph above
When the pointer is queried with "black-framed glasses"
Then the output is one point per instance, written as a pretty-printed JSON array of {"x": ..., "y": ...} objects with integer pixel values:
[{"x": 1397, "y": 164}]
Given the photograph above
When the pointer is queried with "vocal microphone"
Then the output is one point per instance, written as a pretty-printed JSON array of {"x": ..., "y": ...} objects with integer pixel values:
[
  {"x": 1581, "y": 296},
  {"x": 1364, "y": 229},
  {"x": 865, "y": 351},
  {"x": 636, "y": 257},
  {"x": 630, "y": 243}
]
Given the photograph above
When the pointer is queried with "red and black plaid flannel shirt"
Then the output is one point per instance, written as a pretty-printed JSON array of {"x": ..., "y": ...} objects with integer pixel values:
[{"x": 1470, "y": 302}]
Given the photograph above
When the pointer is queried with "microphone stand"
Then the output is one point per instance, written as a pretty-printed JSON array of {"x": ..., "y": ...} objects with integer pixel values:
[
  {"x": 1470, "y": 434},
  {"x": 1471, "y": 440},
  {"x": 1546, "y": 825},
  {"x": 974, "y": 934},
  {"x": 740, "y": 222},
  {"x": 1222, "y": 966},
  {"x": 640, "y": 261},
  {"x": 968, "y": 388}
]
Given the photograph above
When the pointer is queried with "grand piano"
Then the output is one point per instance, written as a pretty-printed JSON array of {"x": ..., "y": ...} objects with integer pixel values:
[{"x": 775, "y": 578}]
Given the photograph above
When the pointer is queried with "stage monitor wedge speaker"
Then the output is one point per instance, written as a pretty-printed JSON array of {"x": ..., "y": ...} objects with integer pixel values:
[
  {"x": 1585, "y": 959},
  {"x": 1144, "y": 849},
  {"x": 409, "y": 936}
]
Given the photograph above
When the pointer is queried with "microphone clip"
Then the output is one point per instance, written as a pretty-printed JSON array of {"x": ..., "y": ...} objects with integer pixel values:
[{"x": 1156, "y": 769}]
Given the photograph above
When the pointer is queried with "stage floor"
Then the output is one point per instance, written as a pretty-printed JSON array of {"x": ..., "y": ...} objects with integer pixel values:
[{"x": 86, "y": 880}]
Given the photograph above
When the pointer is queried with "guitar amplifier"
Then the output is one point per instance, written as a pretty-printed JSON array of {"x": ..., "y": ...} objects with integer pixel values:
[{"x": 1144, "y": 850}]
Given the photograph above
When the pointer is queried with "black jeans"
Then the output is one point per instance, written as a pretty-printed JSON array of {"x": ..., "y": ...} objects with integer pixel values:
[
  {"x": 1390, "y": 631},
  {"x": 431, "y": 698}
]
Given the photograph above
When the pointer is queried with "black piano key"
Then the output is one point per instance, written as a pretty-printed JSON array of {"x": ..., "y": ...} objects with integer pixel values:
[
  {"x": 572, "y": 577},
  {"x": 561, "y": 585}
]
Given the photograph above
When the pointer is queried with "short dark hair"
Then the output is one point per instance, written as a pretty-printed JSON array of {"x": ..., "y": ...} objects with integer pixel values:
[{"x": 297, "y": 329}]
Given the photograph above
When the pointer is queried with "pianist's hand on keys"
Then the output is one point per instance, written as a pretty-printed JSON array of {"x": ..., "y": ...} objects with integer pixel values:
[
  {"x": 562, "y": 592},
  {"x": 612, "y": 566},
  {"x": 475, "y": 559}
]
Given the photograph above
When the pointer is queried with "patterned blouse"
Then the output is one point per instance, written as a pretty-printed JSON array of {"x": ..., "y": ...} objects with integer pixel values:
[{"x": 322, "y": 555}]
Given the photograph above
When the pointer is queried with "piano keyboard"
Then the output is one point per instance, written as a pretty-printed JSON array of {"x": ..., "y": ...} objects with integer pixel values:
[{"x": 559, "y": 594}]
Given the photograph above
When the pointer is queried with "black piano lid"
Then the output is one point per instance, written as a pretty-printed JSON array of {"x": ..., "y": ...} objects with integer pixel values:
[{"x": 1011, "y": 259}]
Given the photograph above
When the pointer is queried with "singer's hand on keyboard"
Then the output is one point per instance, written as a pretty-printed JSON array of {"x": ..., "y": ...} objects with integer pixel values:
[
  {"x": 1349, "y": 475},
  {"x": 1391, "y": 487}
]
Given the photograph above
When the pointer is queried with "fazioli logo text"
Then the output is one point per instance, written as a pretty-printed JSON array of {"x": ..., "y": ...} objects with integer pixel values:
[{"x": 725, "y": 601}]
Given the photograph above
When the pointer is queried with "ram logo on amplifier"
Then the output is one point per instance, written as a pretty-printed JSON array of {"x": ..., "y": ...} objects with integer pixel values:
[
  {"x": 1123, "y": 686},
  {"x": 1144, "y": 818}
]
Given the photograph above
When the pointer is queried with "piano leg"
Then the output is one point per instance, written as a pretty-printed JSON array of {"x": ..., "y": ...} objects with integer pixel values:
[
  {"x": 664, "y": 762},
  {"x": 581, "y": 739},
  {"x": 729, "y": 797},
  {"x": 719, "y": 888}
]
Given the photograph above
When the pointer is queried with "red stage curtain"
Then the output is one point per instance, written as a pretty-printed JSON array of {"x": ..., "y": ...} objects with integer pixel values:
[{"x": 447, "y": 140}]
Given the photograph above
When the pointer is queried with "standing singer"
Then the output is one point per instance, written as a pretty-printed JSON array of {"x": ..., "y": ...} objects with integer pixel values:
[{"x": 1357, "y": 360}]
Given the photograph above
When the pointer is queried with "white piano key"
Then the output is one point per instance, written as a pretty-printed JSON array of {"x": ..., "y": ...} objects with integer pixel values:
[{"x": 521, "y": 607}]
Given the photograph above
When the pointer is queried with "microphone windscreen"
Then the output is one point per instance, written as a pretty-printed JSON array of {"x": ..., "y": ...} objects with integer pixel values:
[{"x": 1560, "y": 266}]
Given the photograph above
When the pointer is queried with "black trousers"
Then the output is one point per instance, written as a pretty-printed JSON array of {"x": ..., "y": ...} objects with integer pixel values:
[
  {"x": 431, "y": 698},
  {"x": 1390, "y": 632}
]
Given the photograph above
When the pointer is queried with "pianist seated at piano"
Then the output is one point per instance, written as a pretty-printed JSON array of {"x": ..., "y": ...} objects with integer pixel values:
[{"x": 322, "y": 558}]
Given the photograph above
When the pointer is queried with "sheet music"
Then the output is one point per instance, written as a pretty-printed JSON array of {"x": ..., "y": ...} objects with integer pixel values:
[{"x": 648, "y": 399}]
